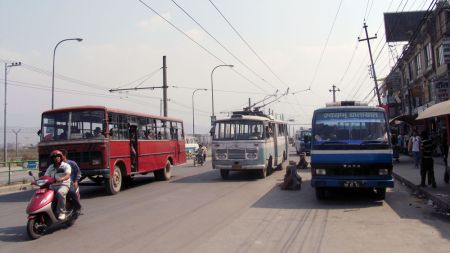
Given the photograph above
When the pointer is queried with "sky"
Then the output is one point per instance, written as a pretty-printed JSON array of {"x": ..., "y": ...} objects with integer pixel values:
[{"x": 303, "y": 46}]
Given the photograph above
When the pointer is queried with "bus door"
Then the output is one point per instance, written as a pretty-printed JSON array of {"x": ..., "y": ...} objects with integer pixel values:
[
  {"x": 133, "y": 148},
  {"x": 271, "y": 142}
]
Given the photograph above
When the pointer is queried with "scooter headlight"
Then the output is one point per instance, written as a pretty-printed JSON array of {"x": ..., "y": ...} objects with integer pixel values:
[{"x": 41, "y": 182}]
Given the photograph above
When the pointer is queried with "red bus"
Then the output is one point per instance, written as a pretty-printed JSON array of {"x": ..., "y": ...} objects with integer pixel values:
[{"x": 110, "y": 145}]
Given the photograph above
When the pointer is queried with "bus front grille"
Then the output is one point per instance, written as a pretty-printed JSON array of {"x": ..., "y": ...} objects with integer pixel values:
[{"x": 236, "y": 154}]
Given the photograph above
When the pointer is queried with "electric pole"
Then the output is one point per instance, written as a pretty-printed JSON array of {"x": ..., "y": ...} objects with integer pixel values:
[
  {"x": 164, "y": 87},
  {"x": 334, "y": 90},
  {"x": 371, "y": 62}
]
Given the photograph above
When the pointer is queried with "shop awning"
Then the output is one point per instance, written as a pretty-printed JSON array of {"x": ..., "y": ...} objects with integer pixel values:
[
  {"x": 405, "y": 118},
  {"x": 440, "y": 109}
]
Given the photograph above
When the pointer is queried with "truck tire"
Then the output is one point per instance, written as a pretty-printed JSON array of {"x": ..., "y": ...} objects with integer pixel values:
[
  {"x": 320, "y": 193},
  {"x": 380, "y": 193}
]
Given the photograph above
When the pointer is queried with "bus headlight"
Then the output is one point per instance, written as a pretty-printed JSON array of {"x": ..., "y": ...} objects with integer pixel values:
[
  {"x": 321, "y": 172},
  {"x": 221, "y": 154},
  {"x": 96, "y": 161},
  {"x": 383, "y": 172},
  {"x": 252, "y": 155}
]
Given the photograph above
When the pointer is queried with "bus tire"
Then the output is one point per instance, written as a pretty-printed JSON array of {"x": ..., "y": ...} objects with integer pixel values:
[
  {"x": 224, "y": 173},
  {"x": 380, "y": 193},
  {"x": 269, "y": 166},
  {"x": 263, "y": 173},
  {"x": 114, "y": 183},
  {"x": 165, "y": 173},
  {"x": 320, "y": 193}
]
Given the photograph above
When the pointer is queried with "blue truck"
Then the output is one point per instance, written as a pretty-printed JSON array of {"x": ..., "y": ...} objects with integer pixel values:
[{"x": 351, "y": 148}]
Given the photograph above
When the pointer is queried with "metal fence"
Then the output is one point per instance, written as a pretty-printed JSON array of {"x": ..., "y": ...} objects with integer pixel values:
[{"x": 10, "y": 168}]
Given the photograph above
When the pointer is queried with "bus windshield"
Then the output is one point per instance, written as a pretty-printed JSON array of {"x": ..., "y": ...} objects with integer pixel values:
[
  {"x": 239, "y": 130},
  {"x": 71, "y": 125},
  {"x": 357, "y": 127}
]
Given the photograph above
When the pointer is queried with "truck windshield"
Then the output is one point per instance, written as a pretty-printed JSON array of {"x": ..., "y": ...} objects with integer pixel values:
[
  {"x": 357, "y": 127},
  {"x": 72, "y": 125},
  {"x": 239, "y": 130}
]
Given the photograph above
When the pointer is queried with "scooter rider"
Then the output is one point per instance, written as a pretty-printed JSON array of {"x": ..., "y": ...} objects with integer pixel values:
[
  {"x": 75, "y": 176},
  {"x": 60, "y": 170}
]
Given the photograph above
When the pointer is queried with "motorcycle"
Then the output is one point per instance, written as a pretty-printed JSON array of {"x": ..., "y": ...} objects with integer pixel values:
[
  {"x": 198, "y": 159},
  {"x": 41, "y": 209}
]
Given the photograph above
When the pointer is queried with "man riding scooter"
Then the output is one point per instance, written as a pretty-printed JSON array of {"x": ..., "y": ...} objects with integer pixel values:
[{"x": 60, "y": 171}]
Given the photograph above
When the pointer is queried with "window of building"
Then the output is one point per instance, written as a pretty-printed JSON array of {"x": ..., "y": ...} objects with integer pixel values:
[
  {"x": 428, "y": 56},
  {"x": 418, "y": 65},
  {"x": 440, "y": 55}
]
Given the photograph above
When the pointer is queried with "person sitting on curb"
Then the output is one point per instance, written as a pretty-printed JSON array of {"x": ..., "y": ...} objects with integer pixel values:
[
  {"x": 302, "y": 163},
  {"x": 292, "y": 180}
]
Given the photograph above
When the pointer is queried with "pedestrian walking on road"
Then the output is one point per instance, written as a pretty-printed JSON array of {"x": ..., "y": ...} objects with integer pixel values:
[
  {"x": 427, "y": 163},
  {"x": 414, "y": 148}
]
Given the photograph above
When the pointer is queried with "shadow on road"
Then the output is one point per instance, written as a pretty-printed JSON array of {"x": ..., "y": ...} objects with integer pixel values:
[
  {"x": 214, "y": 176},
  {"x": 13, "y": 234},
  {"x": 23, "y": 196},
  {"x": 306, "y": 199}
]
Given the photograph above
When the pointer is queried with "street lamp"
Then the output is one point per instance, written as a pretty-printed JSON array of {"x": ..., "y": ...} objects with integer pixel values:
[
  {"x": 14, "y": 64},
  {"x": 212, "y": 86},
  {"x": 193, "y": 117},
  {"x": 53, "y": 72}
]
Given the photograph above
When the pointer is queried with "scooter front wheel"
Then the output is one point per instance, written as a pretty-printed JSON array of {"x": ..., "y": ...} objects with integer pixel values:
[{"x": 35, "y": 228}]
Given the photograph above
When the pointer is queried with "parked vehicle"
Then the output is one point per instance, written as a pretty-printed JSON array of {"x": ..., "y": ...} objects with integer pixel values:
[
  {"x": 41, "y": 209},
  {"x": 191, "y": 145},
  {"x": 351, "y": 149},
  {"x": 110, "y": 145},
  {"x": 303, "y": 141}
]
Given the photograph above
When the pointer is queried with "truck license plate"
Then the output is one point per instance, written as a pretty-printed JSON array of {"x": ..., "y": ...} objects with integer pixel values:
[{"x": 352, "y": 184}]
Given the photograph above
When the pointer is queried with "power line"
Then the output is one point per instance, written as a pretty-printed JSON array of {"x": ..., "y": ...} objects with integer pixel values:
[
  {"x": 247, "y": 44},
  {"x": 197, "y": 43},
  {"x": 218, "y": 42},
  {"x": 326, "y": 44}
]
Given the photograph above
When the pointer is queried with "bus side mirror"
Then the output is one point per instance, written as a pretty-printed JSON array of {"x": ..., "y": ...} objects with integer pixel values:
[
  {"x": 211, "y": 131},
  {"x": 39, "y": 132}
]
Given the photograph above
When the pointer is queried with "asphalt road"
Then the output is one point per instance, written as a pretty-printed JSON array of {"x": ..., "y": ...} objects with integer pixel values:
[{"x": 198, "y": 212}]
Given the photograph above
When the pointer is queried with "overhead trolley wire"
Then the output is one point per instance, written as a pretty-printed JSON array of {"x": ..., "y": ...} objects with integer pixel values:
[{"x": 198, "y": 44}]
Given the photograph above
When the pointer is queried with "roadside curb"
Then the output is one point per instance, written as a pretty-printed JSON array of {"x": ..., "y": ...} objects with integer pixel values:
[
  {"x": 5, "y": 189},
  {"x": 440, "y": 201}
]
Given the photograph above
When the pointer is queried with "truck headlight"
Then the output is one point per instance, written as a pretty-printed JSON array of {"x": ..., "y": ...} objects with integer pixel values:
[
  {"x": 321, "y": 172},
  {"x": 96, "y": 161},
  {"x": 383, "y": 172}
]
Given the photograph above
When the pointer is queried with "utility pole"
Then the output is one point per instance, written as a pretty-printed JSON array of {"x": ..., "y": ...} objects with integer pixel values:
[
  {"x": 371, "y": 61},
  {"x": 164, "y": 87},
  {"x": 16, "y": 133},
  {"x": 334, "y": 90},
  {"x": 5, "y": 149}
]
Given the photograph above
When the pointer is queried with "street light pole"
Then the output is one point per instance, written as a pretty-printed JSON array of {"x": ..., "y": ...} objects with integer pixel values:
[
  {"x": 193, "y": 111},
  {"x": 53, "y": 71},
  {"x": 14, "y": 64},
  {"x": 212, "y": 85},
  {"x": 16, "y": 133}
]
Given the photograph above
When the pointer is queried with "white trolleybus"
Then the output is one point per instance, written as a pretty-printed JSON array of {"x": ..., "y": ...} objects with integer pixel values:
[{"x": 249, "y": 141}]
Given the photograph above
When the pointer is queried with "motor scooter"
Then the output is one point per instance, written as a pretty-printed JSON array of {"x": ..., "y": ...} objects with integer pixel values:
[
  {"x": 41, "y": 209},
  {"x": 198, "y": 159}
]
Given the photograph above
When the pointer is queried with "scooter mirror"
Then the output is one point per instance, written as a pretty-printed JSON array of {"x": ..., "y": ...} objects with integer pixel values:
[{"x": 30, "y": 173}]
